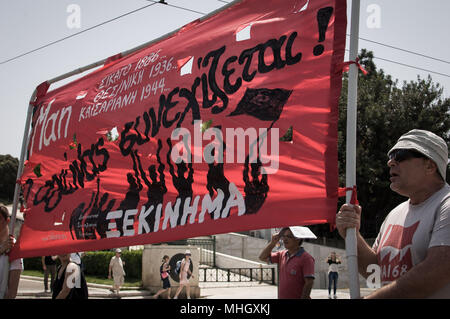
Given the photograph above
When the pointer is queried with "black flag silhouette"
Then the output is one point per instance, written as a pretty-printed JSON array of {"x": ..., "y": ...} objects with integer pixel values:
[{"x": 264, "y": 104}]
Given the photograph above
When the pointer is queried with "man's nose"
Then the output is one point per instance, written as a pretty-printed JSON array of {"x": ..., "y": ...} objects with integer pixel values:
[{"x": 391, "y": 162}]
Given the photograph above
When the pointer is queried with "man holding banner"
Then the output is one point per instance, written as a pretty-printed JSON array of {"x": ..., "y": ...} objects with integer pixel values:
[{"x": 412, "y": 250}]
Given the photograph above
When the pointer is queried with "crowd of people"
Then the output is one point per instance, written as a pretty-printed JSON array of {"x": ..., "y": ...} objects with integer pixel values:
[{"x": 412, "y": 248}]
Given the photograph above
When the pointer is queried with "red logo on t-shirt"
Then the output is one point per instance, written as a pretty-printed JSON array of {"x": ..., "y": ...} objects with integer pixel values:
[{"x": 394, "y": 251}]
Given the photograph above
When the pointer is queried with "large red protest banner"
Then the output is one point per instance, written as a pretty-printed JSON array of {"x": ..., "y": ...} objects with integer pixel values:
[{"x": 229, "y": 124}]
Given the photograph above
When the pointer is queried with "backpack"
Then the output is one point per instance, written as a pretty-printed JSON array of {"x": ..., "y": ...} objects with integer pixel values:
[{"x": 178, "y": 267}]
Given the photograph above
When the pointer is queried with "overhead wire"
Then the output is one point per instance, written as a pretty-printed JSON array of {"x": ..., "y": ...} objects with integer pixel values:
[
  {"x": 407, "y": 65},
  {"x": 75, "y": 34},
  {"x": 404, "y": 50},
  {"x": 178, "y": 7},
  {"x": 411, "y": 66},
  {"x": 375, "y": 57},
  {"x": 202, "y": 13}
]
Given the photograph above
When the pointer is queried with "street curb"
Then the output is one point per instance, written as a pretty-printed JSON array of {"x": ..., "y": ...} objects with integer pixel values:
[
  {"x": 93, "y": 285},
  {"x": 124, "y": 292}
]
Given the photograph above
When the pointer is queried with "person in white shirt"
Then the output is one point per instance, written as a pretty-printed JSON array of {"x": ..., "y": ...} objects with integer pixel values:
[
  {"x": 116, "y": 270},
  {"x": 333, "y": 273}
]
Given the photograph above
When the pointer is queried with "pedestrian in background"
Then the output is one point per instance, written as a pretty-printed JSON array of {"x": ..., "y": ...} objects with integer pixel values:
[
  {"x": 164, "y": 272},
  {"x": 296, "y": 266},
  {"x": 70, "y": 282},
  {"x": 333, "y": 261},
  {"x": 49, "y": 267},
  {"x": 116, "y": 270},
  {"x": 185, "y": 272}
]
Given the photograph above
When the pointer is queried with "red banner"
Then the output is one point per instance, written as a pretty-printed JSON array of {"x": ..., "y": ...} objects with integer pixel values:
[{"x": 230, "y": 124}]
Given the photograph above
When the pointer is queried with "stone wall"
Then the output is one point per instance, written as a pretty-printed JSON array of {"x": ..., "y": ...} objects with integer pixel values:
[
  {"x": 239, "y": 245},
  {"x": 151, "y": 261}
]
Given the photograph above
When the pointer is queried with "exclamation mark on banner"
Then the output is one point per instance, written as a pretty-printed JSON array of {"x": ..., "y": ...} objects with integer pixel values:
[{"x": 323, "y": 17}]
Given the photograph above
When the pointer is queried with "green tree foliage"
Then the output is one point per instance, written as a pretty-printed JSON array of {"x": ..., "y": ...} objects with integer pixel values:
[
  {"x": 385, "y": 112},
  {"x": 8, "y": 176},
  {"x": 97, "y": 263}
]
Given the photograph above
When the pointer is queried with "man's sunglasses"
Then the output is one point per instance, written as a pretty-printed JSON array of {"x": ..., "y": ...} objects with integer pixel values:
[{"x": 400, "y": 155}]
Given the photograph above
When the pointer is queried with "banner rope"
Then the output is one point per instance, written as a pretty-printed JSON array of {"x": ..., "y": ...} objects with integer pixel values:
[
  {"x": 346, "y": 66},
  {"x": 342, "y": 191}
]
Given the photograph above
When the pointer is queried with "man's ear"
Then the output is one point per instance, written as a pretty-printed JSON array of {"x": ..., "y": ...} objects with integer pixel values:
[{"x": 431, "y": 167}]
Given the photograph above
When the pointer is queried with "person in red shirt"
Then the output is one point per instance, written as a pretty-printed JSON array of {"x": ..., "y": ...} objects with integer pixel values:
[{"x": 296, "y": 266}]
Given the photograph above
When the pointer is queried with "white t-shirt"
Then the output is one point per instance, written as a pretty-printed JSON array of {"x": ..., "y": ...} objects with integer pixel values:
[
  {"x": 16, "y": 264},
  {"x": 333, "y": 266},
  {"x": 409, "y": 231},
  {"x": 3, "y": 275}
]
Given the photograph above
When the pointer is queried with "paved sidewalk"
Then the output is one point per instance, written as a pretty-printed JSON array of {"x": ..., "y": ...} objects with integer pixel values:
[
  {"x": 262, "y": 291},
  {"x": 33, "y": 288}
]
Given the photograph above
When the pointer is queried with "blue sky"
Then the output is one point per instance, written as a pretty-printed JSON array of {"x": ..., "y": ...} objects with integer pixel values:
[{"x": 412, "y": 25}]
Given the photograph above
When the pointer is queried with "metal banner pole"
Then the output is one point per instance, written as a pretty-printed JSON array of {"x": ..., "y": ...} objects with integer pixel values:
[
  {"x": 21, "y": 162},
  {"x": 12, "y": 222},
  {"x": 350, "y": 238}
]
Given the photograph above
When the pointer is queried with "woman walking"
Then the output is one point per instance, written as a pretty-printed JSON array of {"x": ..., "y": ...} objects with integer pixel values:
[
  {"x": 164, "y": 271},
  {"x": 184, "y": 273},
  {"x": 333, "y": 262}
]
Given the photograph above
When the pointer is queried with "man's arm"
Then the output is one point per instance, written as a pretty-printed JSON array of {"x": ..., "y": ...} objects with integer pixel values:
[
  {"x": 166, "y": 267},
  {"x": 7, "y": 245},
  {"x": 109, "y": 269},
  {"x": 189, "y": 272},
  {"x": 43, "y": 263},
  {"x": 366, "y": 255},
  {"x": 422, "y": 280},
  {"x": 265, "y": 254},
  {"x": 309, "y": 282},
  {"x": 349, "y": 216}
]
